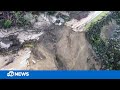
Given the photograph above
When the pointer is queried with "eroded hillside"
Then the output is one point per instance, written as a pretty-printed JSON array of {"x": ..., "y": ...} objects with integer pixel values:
[{"x": 52, "y": 41}]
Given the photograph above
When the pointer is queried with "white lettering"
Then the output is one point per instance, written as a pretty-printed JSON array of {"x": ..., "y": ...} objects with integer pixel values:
[{"x": 11, "y": 74}]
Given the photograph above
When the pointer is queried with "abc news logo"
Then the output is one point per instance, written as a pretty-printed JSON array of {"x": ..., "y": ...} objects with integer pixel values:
[{"x": 13, "y": 73}]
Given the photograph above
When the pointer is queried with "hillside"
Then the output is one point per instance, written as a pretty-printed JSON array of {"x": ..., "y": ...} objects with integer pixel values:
[{"x": 59, "y": 40}]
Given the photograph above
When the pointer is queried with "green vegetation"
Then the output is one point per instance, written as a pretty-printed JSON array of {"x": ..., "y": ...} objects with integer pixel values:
[
  {"x": 16, "y": 18},
  {"x": 51, "y": 12},
  {"x": 103, "y": 14},
  {"x": 12, "y": 18},
  {"x": 30, "y": 44},
  {"x": 7, "y": 23},
  {"x": 109, "y": 54}
]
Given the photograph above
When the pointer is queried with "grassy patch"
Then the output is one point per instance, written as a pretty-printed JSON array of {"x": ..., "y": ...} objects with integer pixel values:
[{"x": 100, "y": 16}]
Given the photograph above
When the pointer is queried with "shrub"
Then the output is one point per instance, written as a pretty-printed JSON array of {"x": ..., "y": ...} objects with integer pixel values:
[{"x": 7, "y": 23}]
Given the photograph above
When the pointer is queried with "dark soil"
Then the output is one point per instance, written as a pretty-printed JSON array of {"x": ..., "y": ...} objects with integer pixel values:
[
  {"x": 15, "y": 46},
  {"x": 79, "y": 14}
]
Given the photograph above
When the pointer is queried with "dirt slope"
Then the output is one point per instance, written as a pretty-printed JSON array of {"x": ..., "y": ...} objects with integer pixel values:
[
  {"x": 74, "y": 51},
  {"x": 57, "y": 48}
]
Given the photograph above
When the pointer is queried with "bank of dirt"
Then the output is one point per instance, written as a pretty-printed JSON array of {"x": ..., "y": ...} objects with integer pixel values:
[{"x": 47, "y": 47}]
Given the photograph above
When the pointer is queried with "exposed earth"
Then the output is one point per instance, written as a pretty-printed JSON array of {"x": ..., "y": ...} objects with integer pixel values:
[{"x": 50, "y": 44}]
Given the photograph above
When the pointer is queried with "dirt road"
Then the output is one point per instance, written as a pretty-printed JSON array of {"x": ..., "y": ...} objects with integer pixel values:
[{"x": 79, "y": 25}]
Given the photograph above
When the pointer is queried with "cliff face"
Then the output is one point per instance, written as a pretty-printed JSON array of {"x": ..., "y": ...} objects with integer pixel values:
[
  {"x": 68, "y": 50},
  {"x": 46, "y": 46},
  {"x": 75, "y": 52}
]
